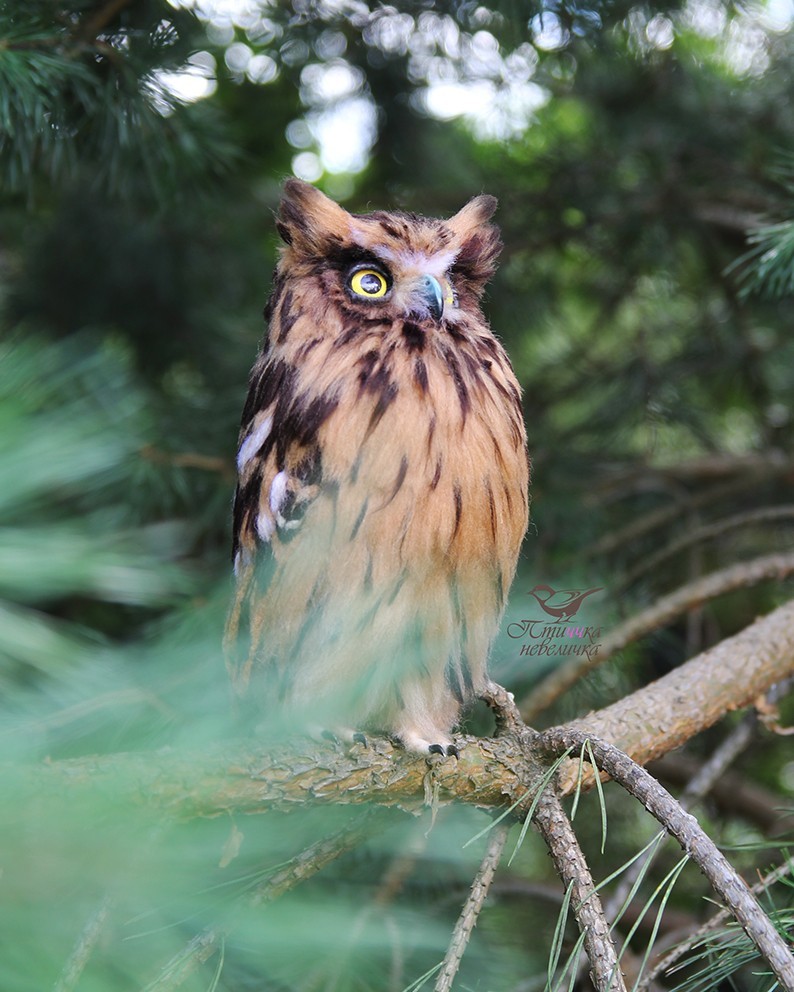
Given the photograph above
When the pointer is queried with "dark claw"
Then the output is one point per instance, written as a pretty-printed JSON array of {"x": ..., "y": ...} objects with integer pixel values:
[
  {"x": 436, "y": 749},
  {"x": 360, "y": 739},
  {"x": 452, "y": 751}
]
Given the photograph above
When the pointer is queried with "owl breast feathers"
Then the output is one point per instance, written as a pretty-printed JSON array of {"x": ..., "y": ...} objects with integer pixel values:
[{"x": 382, "y": 494}]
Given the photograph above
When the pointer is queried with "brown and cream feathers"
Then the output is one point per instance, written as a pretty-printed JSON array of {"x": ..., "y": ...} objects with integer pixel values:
[{"x": 382, "y": 495}]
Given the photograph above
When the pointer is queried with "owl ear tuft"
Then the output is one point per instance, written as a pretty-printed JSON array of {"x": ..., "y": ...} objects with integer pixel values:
[
  {"x": 476, "y": 212},
  {"x": 476, "y": 242},
  {"x": 308, "y": 220}
]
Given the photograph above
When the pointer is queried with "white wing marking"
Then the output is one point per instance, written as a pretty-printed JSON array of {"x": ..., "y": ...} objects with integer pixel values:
[
  {"x": 278, "y": 493},
  {"x": 265, "y": 525},
  {"x": 254, "y": 442}
]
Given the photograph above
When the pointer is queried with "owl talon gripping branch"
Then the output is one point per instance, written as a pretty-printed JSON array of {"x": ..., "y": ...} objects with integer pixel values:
[{"x": 382, "y": 493}]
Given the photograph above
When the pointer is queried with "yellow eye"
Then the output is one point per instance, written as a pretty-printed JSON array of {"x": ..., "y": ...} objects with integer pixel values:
[{"x": 369, "y": 283}]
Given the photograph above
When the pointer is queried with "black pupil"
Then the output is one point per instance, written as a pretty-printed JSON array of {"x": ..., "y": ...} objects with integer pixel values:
[{"x": 370, "y": 283}]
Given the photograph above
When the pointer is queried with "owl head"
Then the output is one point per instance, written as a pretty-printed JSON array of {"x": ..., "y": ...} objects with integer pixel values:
[{"x": 385, "y": 266}]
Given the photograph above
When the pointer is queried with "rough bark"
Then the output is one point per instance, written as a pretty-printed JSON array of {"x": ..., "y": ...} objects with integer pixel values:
[
  {"x": 473, "y": 906},
  {"x": 574, "y": 871}
]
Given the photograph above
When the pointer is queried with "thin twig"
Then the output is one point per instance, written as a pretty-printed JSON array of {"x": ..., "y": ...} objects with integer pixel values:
[
  {"x": 732, "y": 794},
  {"x": 188, "y": 459},
  {"x": 471, "y": 909},
  {"x": 705, "y": 533},
  {"x": 627, "y": 536},
  {"x": 674, "y": 955},
  {"x": 83, "y": 948},
  {"x": 746, "y": 469},
  {"x": 704, "y": 780},
  {"x": 693, "y": 594},
  {"x": 572, "y": 867},
  {"x": 695, "y": 842},
  {"x": 328, "y": 976}
]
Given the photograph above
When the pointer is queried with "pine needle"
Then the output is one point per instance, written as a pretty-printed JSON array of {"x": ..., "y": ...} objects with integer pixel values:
[
  {"x": 549, "y": 775},
  {"x": 559, "y": 936},
  {"x": 600, "y": 791}
]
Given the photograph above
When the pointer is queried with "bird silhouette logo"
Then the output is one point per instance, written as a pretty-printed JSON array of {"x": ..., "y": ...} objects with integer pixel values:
[{"x": 562, "y": 604}]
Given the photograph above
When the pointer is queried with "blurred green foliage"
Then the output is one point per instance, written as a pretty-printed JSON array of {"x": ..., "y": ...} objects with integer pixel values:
[{"x": 634, "y": 148}]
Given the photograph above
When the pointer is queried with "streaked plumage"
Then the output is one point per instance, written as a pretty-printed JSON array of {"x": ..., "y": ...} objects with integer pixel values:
[{"x": 382, "y": 494}]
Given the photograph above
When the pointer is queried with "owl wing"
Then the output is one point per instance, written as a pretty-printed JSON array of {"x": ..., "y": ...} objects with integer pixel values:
[
  {"x": 279, "y": 462},
  {"x": 279, "y": 467}
]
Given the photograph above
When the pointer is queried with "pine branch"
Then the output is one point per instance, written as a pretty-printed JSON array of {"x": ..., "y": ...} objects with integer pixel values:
[
  {"x": 508, "y": 724},
  {"x": 473, "y": 905},
  {"x": 74, "y": 92},
  {"x": 490, "y": 772},
  {"x": 695, "y": 842},
  {"x": 689, "y": 596},
  {"x": 698, "y": 786},
  {"x": 300, "y": 868},
  {"x": 572, "y": 867},
  {"x": 568, "y": 857},
  {"x": 769, "y": 264}
]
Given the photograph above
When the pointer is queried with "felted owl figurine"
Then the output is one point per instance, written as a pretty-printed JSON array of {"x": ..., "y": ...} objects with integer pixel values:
[{"x": 382, "y": 493}]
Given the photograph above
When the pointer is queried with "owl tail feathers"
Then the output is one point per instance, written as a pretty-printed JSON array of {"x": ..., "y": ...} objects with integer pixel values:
[{"x": 239, "y": 659}]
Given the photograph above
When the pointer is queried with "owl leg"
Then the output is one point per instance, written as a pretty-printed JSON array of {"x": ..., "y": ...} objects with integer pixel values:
[
  {"x": 427, "y": 716},
  {"x": 412, "y": 741},
  {"x": 345, "y": 734}
]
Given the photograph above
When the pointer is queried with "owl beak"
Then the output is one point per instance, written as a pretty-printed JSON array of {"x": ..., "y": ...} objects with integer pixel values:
[{"x": 431, "y": 295}]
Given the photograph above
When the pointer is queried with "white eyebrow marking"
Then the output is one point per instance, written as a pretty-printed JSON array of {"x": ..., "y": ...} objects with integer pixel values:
[
  {"x": 253, "y": 442},
  {"x": 437, "y": 264}
]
